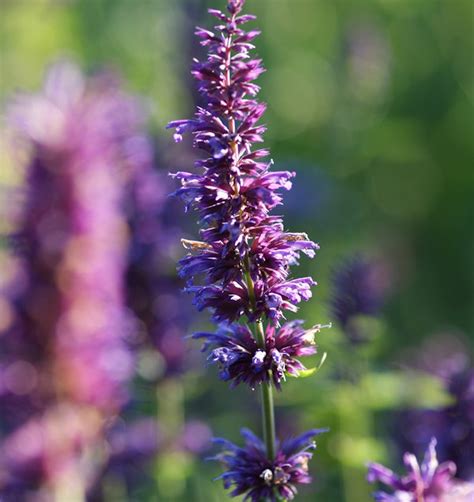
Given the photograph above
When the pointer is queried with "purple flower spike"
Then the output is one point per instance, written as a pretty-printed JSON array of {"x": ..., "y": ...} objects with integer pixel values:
[
  {"x": 428, "y": 482},
  {"x": 240, "y": 269},
  {"x": 239, "y": 358},
  {"x": 65, "y": 362},
  {"x": 235, "y": 192},
  {"x": 250, "y": 472}
]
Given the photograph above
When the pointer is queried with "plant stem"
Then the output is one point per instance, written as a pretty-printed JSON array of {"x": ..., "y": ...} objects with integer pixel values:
[{"x": 268, "y": 414}]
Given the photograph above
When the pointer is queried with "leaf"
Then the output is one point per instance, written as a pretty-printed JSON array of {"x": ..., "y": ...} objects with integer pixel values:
[
  {"x": 310, "y": 371},
  {"x": 306, "y": 373}
]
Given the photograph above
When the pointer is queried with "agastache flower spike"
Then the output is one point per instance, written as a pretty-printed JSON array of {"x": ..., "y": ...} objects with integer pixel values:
[
  {"x": 237, "y": 191},
  {"x": 240, "y": 270},
  {"x": 65, "y": 363}
]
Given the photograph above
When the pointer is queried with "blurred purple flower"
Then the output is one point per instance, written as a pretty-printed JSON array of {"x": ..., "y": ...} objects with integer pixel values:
[
  {"x": 453, "y": 424},
  {"x": 65, "y": 353},
  {"x": 250, "y": 472},
  {"x": 240, "y": 359},
  {"x": 140, "y": 438},
  {"x": 427, "y": 482},
  {"x": 132, "y": 446},
  {"x": 359, "y": 289},
  {"x": 130, "y": 449},
  {"x": 196, "y": 437},
  {"x": 152, "y": 288},
  {"x": 74, "y": 227},
  {"x": 42, "y": 451},
  {"x": 369, "y": 62}
]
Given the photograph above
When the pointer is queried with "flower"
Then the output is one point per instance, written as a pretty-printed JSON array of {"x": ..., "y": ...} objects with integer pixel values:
[
  {"x": 453, "y": 424},
  {"x": 250, "y": 472},
  {"x": 447, "y": 358},
  {"x": 43, "y": 447},
  {"x": 427, "y": 482},
  {"x": 240, "y": 359},
  {"x": 65, "y": 363},
  {"x": 242, "y": 266},
  {"x": 79, "y": 132},
  {"x": 152, "y": 288},
  {"x": 359, "y": 288}
]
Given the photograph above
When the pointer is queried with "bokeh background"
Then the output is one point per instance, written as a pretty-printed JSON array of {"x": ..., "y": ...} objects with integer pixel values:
[{"x": 371, "y": 103}]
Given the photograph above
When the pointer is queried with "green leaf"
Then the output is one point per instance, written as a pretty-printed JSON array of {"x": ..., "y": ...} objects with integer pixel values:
[
  {"x": 306, "y": 373},
  {"x": 311, "y": 371}
]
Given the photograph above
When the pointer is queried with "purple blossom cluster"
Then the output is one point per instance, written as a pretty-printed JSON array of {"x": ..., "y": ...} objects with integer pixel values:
[
  {"x": 447, "y": 358},
  {"x": 65, "y": 362},
  {"x": 241, "y": 241},
  {"x": 425, "y": 482},
  {"x": 240, "y": 269},
  {"x": 240, "y": 359},
  {"x": 250, "y": 472},
  {"x": 244, "y": 256}
]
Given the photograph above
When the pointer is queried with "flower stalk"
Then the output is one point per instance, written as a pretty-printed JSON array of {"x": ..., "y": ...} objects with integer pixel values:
[
  {"x": 268, "y": 412},
  {"x": 268, "y": 416},
  {"x": 241, "y": 269}
]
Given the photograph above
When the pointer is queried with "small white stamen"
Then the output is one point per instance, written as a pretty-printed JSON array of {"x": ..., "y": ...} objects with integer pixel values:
[{"x": 267, "y": 476}]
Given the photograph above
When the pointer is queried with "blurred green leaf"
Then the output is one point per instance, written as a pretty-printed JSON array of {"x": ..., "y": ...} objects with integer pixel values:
[{"x": 402, "y": 389}]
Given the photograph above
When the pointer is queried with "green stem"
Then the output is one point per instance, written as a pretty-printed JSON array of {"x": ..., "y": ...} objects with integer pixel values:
[{"x": 268, "y": 413}]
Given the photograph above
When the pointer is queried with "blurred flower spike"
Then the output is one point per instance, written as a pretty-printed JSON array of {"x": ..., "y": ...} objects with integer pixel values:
[
  {"x": 359, "y": 288},
  {"x": 65, "y": 362}
]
